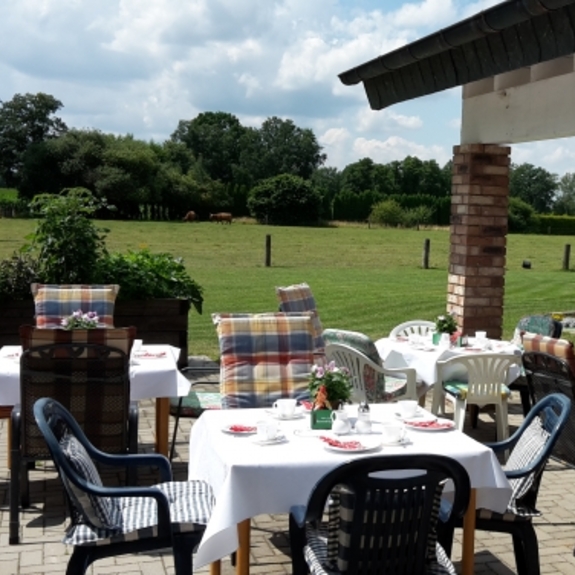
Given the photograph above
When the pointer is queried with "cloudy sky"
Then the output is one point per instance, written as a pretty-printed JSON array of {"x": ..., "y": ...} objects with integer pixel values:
[{"x": 140, "y": 66}]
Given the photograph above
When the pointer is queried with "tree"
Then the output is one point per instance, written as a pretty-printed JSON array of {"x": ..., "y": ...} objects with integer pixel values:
[
  {"x": 535, "y": 186},
  {"x": 25, "y": 120},
  {"x": 522, "y": 217},
  {"x": 565, "y": 201},
  {"x": 358, "y": 176},
  {"x": 285, "y": 200},
  {"x": 327, "y": 181}
]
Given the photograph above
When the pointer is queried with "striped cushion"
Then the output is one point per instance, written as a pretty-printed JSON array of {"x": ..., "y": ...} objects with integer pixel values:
[
  {"x": 121, "y": 337},
  {"x": 100, "y": 512},
  {"x": 299, "y": 298},
  {"x": 54, "y": 302},
  {"x": 459, "y": 389},
  {"x": 190, "y": 502},
  {"x": 558, "y": 347},
  {"x": 264, "y": 357}
]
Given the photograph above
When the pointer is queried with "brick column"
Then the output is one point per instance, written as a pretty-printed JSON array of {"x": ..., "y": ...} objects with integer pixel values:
[{"x": 479, "y": 208}]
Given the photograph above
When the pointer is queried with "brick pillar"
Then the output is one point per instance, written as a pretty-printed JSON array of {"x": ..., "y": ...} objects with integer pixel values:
[{"x": 479, "y": 207}]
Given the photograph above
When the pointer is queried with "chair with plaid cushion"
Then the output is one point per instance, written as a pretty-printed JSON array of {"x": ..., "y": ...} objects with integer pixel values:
[
  {"x": 87, "y": 371},
  {"x": 531, "y": 445},
  {"x": 385, "y": 523},
  {"x": 483, "y": 381},
  {"x": 110, "y": 521},
  {"x": 372, "y": 380}
]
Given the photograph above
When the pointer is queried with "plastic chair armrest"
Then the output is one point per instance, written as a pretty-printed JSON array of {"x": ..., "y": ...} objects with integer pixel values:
[{"x": 297, "y": 513}]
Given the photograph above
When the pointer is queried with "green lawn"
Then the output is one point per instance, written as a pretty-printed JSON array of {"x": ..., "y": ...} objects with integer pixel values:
[{"x": 363, "y": 279}]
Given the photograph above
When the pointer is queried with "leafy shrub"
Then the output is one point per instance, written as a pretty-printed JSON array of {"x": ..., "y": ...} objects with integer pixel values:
[
  {"x": 16, "y": 275},
  {"x": 387, "y": 213},
  {"x": 556, "y": 225},
  {"x": 418, "y": 216},
  {"x": 285, "y": 200},
  {"x": 522, "y": 217},
  {"x": 143, "y": 275}
]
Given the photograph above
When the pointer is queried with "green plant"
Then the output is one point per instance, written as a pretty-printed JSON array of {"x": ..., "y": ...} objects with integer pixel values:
[
  {"x": 144, "y": 275},
  {"x": 446, "y": 324},
  {"x": 387, "y": 213},
  {"x": 16, "y": 274},
  {"x": 68, "y": 242},
  {"x": 330, "y": 384},
  {"x": 81, "y": 320}
]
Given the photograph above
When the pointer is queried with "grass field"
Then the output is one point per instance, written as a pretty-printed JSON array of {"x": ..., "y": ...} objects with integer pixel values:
[{"x": 363, "y": 279}]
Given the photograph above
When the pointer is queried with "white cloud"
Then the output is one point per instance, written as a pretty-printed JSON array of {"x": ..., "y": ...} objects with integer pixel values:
[{"x": 397, "y": 148}]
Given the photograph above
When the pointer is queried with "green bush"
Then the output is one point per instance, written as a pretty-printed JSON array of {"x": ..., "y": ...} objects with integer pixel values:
[
  {"x": 285, "y": 200},
  {"x": 387, "y": 213},
  {"x": 522, "y": 217},
  {"x": 557, "y": 225},
  {"x": 16, "y": 274}
]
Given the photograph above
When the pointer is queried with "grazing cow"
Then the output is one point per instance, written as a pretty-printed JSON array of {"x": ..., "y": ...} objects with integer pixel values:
[
  {"x": 221, "y": 217},
  {"x": 190, "y": 217}
]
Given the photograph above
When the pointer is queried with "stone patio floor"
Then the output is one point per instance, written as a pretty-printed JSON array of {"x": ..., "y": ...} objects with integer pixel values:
[{"x": 43, "y": 524}]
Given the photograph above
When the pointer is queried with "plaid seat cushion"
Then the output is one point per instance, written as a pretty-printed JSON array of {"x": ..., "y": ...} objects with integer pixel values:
[
  {"x": 54, "y": 302},
  {"x": 100, "y": 512},
  {"x": 190, "y": 502},
  {"x": 561, "y": 348},
  {"x": 121, "y": 337},
  {"x": 299, "y": 298},
  {"x": 263, "y": 358},
  {"x": 459, "y": 389}
]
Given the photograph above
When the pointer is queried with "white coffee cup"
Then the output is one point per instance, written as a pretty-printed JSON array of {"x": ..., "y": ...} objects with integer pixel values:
[
  {"x": 267, "y": 430},
  {"x": 392, "y": 432},
  {"x": 480, "y": 336},
  {"x": 407, "y": 407},
  {"x": 285, "y": 408}
]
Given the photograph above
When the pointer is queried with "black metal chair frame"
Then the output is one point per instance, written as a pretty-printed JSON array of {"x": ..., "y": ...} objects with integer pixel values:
[
  {"x": 51, "y": 417},
  {"x": 555, "y": 409},
  {"x": 51, "y": 370},
  {"x": 357, "y": 475}
]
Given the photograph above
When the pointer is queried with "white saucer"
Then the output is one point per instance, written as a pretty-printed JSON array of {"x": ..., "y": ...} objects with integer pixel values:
[
  {"x": 399, "y": 443},
  {"x": 418, "y": 414},
  {"x": 297, "y": 414},
  {"x": 277, "y": 439}
]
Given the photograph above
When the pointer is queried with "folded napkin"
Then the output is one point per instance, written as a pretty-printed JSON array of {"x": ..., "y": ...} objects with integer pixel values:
[
  {"x": 434, "y": 424},
  {"x": 341, "y": 444}
]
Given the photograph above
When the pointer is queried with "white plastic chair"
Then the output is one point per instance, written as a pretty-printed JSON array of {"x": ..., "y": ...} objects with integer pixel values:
[
  {"x": 417, "y": 326},
  {"x": 483, "y": 381},
  {"x": 400, "y": 383}
]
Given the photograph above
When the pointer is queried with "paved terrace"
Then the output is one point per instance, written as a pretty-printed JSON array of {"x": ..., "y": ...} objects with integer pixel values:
[{"x": 43, "y": 525}]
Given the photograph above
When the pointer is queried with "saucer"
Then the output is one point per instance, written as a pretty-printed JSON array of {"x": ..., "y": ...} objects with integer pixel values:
[
  {"x": 399, "y": 443},
  {"x": 277, "y": 439},
  {"x": 297, "y": 414},
  {"x": 418, "y": 413}
]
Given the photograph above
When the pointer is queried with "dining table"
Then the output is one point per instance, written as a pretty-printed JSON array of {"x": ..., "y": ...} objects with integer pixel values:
[
  {"x": 250, "y": 477},
  {"x": 153, "y": 374}
]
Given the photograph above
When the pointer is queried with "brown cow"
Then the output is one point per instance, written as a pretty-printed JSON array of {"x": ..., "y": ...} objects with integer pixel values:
[
  {"x": 190, "y": 217},
  {"x": 221, "y": 217}
]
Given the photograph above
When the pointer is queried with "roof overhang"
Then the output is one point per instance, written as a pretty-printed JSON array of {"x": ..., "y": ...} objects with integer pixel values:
[{"x": 506, "y": 37}]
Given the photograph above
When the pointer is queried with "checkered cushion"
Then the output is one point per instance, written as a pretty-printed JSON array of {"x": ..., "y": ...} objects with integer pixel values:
[
  {"x": 558, "y": 347},
  {"x": 100, "y": 512},
  {"x": 264, "y": 357},
  {"x": 298, "y": 298},
  {"x": 190, "y": 502},
  {"x": 121, "y": 337},
  {"x": 54, "y": 302},
  {"x": 459, "y": 389}
]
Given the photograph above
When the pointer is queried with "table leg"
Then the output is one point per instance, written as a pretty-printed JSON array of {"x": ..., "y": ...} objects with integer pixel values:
[
  {"x": 243, "y": 552},
  {"x": 216, "y": 568},
  {"x": 162, "y": 424},
  {"x": 468, "y": 552}
]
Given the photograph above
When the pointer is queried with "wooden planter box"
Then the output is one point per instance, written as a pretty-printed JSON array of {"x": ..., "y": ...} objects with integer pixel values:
[{"x": 157, "y": 321}]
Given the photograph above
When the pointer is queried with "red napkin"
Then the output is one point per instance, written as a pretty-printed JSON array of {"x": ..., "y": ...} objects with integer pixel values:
[
  {"x": 242, "y": 428},
  {"x": 430, "y": 424},
  {"x": 341, "y": 444}
]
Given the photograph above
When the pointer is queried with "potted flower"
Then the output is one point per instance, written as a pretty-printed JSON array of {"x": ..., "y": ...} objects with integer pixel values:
[
  {"x": 329, "y": 387},
  {"x": 446, "y": 324}
]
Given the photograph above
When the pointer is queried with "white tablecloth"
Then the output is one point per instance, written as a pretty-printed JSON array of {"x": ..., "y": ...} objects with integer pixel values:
[
  {"x": 250, "y": 480},
  {"x": 424, "y": 358},
  {"x": 154, "y": 376}
]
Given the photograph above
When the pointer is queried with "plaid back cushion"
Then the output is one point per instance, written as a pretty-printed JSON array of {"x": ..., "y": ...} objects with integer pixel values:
[
  {"x": 264, "y": 357},
  {"x": 98, "y": 511},
  {"x": 557, "y": 347},
  {"x": 120, "y": 337},
  {"x": 54, "y": 302},
  {"x": 298, "y": 298}
]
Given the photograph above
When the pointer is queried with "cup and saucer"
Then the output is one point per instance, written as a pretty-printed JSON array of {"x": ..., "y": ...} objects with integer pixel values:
[
  {"x": 286, "y": 409},
  {"x": 408, "y": 409},
  {"x": 268, "y": 433},
  {"x": 393, "y": 434}
]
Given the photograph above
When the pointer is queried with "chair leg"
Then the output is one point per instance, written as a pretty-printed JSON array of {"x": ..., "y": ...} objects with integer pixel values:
[
  {"x": 474, "y": 414},
  {"x": 297, "y": 543},
  {"x": 173, "y": 446},
  {"x": 459, "y": 416},
  {"x": 526, "y": 549},
  {"x": 183, "y": 548},
  {"x": 79, "y": 562},
  {"x": 15, "y": 470},
  {"x": 502, "y": 417}
]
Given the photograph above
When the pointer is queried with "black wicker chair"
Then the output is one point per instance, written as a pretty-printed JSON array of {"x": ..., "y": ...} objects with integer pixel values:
[
  {"x": 547, "y": 374},
  {"x": 93, "y": 381},
  {"x": 396, "y": 515},
  {"x": 106, "y": 521},
  {"x": 531, "y": 446}
]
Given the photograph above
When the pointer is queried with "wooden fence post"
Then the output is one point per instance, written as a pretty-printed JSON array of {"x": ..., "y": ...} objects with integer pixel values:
[
  {"x": 268, "y": 250},
  {"x": 425, "y": 263},
  {"x": 566, "y": 256}
]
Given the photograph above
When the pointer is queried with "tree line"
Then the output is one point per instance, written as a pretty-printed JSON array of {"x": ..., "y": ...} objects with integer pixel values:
[{"x": 212, "y": 162}]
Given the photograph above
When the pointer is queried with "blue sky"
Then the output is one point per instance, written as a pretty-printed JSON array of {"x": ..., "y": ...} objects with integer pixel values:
[{"x": 140, "y": 66}]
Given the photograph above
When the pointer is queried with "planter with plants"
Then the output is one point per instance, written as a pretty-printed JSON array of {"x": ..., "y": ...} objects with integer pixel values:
[{"x": 155, "y": 294}]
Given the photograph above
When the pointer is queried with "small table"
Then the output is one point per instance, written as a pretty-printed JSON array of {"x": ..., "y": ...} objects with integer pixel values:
[
  {"x": 153, "y": 373},
  {"x": 250, "y": 480}
]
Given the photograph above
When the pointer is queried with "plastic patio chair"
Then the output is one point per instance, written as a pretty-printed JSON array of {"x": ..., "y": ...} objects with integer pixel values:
[
  {"x": 377, "y": 509},
  {"x": 531, "y": 445},
  {"x": 110, "y": 521},
  {"x": 419, "y": 327}
]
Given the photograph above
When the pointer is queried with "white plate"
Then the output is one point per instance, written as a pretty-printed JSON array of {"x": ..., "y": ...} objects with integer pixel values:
[
  {"x": 229, "y": 429},
  {"x": 409, "y": 425},
  {"x": 297, "y": 414},
  {"x": 366, "y": 444},
  {"x": 277, "y": 439}
]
